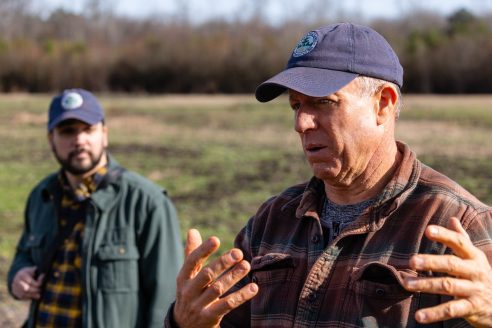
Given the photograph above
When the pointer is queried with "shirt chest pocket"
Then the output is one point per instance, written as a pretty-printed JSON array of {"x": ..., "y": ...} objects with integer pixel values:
[
  {"x": 117, "y": 267},
  {"x": 272, "y": 272},
  {"x": 380, "y": 297}
]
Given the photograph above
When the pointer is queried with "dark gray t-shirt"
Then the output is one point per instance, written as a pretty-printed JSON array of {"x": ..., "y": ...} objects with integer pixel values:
[{"x": 335, "y": 218}]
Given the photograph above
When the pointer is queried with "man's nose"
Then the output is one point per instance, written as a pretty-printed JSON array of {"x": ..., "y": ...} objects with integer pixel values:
[
  {"x": 80, "y": 137},
  {"x": 304, "y": 121}
]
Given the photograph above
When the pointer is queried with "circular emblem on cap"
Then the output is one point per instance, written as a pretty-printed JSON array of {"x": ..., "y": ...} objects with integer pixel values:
[
  {"x": 71, "y": 100},
  {"x": 307, "y": 43}
]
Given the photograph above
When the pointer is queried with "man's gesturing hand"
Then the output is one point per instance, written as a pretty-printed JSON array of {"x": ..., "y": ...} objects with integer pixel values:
[
  {"x": 469, "y": 280},
  {"x": 25, "y": 286},
  {"x": 198, "y": 302}
]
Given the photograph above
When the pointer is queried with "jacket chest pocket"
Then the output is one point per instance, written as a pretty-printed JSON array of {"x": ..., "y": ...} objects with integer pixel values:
[
  {"x": 35, "y": 245},
  {"x": 380, "y": 298},
  {"x": 117, "y": 266}
]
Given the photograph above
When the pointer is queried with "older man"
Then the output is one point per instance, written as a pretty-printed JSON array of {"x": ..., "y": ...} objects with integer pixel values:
[
  {"x": 101, "y": 245},
  {"x": 364, "y": 242}
]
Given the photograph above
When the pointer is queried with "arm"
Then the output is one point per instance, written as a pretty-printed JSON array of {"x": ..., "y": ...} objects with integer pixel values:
[
  {"x": 469, "y": 280},
  {"x": 161, "y": 255},
  {"x": 20, "y": 279}
]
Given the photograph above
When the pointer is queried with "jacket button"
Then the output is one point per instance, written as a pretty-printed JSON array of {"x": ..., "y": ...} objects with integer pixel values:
[
  {"x": 56, "y": 274},
  {"x": 315, "y": 239},
  {"x": 312, "y": 297},
  {"x": 380, "y": 292},
  {"x": 31, "y": 237}
]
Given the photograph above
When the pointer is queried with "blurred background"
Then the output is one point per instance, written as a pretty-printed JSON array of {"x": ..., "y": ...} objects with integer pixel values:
[
  {"x": 227, "y": 46},
  {"x": 176, "y": 78}
]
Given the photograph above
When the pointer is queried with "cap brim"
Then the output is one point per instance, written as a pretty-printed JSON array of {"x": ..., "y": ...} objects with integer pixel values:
[
  {"x": 314, "y": 82},
  {"x": 80, "y": 115}
]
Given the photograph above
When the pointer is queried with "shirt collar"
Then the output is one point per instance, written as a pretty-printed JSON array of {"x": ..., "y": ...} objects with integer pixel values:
[{"x": 86, "y": 187}]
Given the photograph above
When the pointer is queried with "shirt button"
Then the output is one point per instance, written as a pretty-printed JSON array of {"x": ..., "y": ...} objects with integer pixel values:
[
  {"x": 315, "y": 239},
  {"x": 312, "y": 297},
  {"x": 380, "y": 292},
  {"x": 56, "y": 274},
  {"x": 122, "y": 250}
]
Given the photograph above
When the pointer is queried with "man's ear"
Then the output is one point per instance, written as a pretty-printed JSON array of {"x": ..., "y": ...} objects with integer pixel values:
[
  {"x": 387, "y": 100},
  {"x": 105, "y": 135},
  {"x": 50, "y": 140}
]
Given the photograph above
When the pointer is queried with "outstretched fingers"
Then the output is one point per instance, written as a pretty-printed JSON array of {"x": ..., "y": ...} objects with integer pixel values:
[
  {"x": 442, "y": 285},
  {"x": 211, "y": 272},
  {"x": 198, "y": 253},
  {"x": 450, "y": 310},
  {"x": 449, "y": 264},
  {"x": 455, "y": 237},
  {"x": 234, "y": 300},
  {"x": 199, "y": 288},
  {"x": 468, "y": 279}
]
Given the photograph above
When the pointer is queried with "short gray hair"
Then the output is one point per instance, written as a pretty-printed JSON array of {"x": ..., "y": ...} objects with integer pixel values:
[{"x": 369, "y": 86}]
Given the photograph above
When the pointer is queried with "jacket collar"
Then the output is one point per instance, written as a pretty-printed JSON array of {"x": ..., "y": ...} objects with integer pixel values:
[
  {"x": 106, "y": 194},
  {"x": 394, "y": 193}
]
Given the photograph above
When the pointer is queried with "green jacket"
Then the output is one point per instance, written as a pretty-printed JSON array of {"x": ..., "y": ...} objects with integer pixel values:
[{"x": 132, "y": 249}]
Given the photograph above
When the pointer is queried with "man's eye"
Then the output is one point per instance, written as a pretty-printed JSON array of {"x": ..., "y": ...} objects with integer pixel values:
[
  {"x": 67, "y": 131},
  {"x": 326, "y": 102},
  {"x": 295, "y": 106}
]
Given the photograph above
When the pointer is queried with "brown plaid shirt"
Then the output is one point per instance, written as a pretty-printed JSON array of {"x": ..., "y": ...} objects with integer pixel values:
[{"x": 356, "y": 281}]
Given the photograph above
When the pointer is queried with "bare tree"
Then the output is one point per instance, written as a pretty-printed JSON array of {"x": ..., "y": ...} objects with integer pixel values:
[{"x": 13, "y": 14}]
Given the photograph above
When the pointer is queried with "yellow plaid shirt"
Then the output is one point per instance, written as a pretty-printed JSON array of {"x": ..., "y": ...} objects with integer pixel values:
[{"x": 61, "y": 301}]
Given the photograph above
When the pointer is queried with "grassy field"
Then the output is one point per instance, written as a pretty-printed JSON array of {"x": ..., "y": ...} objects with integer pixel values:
[{"x": 220, "y": 157}]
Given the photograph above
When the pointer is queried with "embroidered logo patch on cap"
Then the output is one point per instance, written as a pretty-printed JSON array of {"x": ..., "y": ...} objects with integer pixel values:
[
  {"x": 307, "y": 43},
  {"x": 72, "y": 100}
]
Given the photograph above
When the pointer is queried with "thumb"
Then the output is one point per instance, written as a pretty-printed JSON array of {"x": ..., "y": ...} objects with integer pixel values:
[
  {"x": 193, "y": 240},
  {"x": 40, "y": 278},
  {"x": 30, "y": 271}
]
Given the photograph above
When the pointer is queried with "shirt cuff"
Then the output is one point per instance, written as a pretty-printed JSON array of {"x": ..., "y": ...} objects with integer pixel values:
[{"x": 169, "y": 320}]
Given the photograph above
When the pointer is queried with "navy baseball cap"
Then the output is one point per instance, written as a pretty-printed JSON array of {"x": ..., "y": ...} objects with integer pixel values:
[
  {"x": 327, "y": 59},
  {"x": 76, "y": 104}
]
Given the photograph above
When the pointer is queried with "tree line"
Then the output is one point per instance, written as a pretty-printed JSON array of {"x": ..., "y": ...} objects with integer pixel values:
[{"x": 102, "y": 51}]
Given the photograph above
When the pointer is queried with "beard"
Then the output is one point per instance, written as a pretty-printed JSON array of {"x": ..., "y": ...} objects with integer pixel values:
[{"x": 69, "y": 165}]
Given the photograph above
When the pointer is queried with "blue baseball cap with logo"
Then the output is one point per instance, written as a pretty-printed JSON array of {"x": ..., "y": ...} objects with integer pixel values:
[
  {"x": 327, "y": 59},
  {"x": 78, "y": 104}
]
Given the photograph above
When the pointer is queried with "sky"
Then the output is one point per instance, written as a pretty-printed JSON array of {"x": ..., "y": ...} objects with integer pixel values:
[{"x": 276, "y": 10}]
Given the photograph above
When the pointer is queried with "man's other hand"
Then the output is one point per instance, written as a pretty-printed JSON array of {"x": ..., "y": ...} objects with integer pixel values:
[{"x": 469, "y": 278}]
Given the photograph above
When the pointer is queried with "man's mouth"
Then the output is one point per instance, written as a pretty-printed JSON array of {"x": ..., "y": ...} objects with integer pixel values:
[
  {"x": 77, "y": 153},
  {"x": 314, "y": 148}
]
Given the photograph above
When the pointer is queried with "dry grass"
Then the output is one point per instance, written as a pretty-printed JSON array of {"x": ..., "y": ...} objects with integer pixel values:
[{"x": 445, "y": 139}]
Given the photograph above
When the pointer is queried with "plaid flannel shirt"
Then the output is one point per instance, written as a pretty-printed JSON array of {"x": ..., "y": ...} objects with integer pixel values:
[
  {"x": 356, "y": 281},
  {"x": 61, "y": 301}
]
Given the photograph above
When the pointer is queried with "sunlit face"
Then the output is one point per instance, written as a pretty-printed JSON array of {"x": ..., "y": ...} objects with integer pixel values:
[
  {"x": 78, "y": 146},
  {"x": 339, "y": 133}
]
